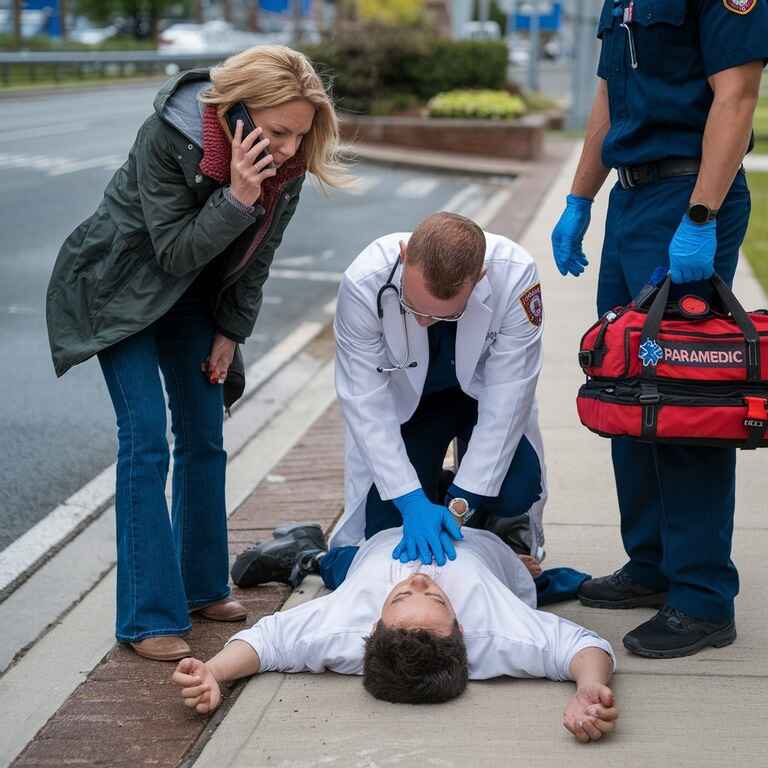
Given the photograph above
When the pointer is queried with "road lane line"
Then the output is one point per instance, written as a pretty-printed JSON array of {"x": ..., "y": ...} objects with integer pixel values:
[
  {"x": 308, "y": 274},
  {"x": 492, "y": 207},
  {"x": 108, "y": 161}
]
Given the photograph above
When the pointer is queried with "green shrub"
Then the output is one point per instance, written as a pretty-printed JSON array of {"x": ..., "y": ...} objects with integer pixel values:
[
  {"x": 497, "y": 105},
  {"x": 369, "y": 65},
  {"x": 455, "y": 64}
]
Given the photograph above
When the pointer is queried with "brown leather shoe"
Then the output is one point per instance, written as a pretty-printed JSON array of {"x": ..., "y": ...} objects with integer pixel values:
[
  {"x": 162, "y": 648},
  {"x": 227, "y": 609}
]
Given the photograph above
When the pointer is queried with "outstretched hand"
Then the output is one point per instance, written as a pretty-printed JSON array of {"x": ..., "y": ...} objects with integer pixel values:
[
  {"x": 591, "y": 713},
  {"x": 199, "y": 688}
]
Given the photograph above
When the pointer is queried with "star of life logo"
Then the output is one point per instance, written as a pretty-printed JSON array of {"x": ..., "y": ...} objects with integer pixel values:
[{"x": 650, "y": 353}]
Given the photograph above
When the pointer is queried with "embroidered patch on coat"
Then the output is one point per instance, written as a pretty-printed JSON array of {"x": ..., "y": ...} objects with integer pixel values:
[
  {"x": 532, "y": 304},
  {"x": 742, "y": 7}
]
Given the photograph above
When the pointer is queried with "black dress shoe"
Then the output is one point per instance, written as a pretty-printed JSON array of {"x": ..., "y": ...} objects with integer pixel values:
[
  {"x": 286, "y": 560},
  {"x": 618, "y": 591},
  {"x": 672, "y": 633}
]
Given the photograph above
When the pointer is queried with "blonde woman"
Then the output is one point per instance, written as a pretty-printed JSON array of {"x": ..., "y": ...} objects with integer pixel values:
[{"x": 167, "y": 276}]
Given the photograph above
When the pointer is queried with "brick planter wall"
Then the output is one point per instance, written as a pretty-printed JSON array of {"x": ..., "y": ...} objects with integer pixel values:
[{"x": 521, "y": 139}]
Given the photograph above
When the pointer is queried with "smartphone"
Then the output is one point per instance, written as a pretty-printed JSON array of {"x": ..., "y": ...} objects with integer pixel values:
[{"x": 240, "y": 112}]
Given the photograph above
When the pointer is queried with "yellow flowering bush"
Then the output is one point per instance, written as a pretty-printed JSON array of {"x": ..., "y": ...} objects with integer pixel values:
[{"x": 494, "y": 105}]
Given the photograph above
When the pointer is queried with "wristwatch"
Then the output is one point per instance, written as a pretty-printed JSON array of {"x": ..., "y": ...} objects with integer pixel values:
[
  {"x": 460, "y": 510},
  {"x": 699, "y": 213}
]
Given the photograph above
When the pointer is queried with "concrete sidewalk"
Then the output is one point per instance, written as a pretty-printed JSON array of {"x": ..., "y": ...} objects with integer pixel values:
[{"x": 700, "y": 711}]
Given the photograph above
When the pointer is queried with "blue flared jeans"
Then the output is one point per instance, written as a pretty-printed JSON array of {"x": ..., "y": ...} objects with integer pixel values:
[{"x": 167, "y": 563}]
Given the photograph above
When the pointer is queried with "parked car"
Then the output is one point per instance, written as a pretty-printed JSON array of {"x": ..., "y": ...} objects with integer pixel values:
[
  {"x": 217, "y": 36},
  {"x": 82, "y": 30}
]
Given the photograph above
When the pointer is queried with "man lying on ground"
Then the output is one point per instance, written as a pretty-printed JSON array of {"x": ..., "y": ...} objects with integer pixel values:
[{"x": 418, "y": 632}]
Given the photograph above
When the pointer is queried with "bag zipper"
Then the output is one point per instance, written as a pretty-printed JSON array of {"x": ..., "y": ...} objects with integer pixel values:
[{"x": 724, "y": 394}]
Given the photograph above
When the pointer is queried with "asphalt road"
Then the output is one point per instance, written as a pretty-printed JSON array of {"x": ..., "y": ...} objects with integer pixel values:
[{"x": 56, "y": 155}]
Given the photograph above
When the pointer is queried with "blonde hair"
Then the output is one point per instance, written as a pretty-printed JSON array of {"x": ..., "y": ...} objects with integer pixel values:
[{"x": 270, "y": 75}]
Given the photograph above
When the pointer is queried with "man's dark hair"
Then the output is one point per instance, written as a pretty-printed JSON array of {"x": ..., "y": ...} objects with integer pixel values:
[{"x": 414, "y": 666}]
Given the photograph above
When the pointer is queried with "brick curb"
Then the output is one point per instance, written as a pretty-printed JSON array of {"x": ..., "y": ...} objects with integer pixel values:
[{"x": 127, "y": 712}]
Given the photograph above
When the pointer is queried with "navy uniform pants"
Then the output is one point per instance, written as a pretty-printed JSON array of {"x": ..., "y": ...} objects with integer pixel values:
[{"x": 676, "y": 502}]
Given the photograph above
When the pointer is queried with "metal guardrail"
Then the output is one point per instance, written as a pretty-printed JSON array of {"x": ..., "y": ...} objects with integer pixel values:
[{"x": 103, "y": 63}]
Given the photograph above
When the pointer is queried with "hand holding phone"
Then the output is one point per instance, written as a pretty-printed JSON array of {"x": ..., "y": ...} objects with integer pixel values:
[{"x": 251, "y": 162}]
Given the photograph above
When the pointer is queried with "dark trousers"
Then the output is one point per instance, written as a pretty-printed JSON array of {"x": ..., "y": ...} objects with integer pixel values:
[
  {"x": 676, "y": 502},
  {"x": 167, "y": 564},
  {"x": 439, "y": 418}
]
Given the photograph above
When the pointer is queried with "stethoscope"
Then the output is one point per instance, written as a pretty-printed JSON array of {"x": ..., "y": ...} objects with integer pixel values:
[{"x": 390, "y": 286}]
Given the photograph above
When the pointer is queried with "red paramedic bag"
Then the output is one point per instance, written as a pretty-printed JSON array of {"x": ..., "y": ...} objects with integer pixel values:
[{"x": 679, "y": 373}]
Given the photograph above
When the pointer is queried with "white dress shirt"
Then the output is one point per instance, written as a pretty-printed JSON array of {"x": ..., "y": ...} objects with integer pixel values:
[{"x": 492, "y": 594}]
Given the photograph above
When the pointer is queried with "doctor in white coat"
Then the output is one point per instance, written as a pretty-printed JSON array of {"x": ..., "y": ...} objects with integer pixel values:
[{"x": 438, "y": 336}]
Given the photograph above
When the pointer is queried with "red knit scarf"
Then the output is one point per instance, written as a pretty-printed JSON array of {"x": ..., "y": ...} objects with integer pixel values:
[{"x": 217, "y": 155}]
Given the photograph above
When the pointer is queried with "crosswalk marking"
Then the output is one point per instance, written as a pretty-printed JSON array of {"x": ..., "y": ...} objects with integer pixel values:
[
  {"x": 417, "y": 187},
  {"x": 59, "y": 166},
  {"x": 363, "y": 185},
  {"x": 315, "y": 276},
  {"x": 463, "y": 200},
  {"x": 109, "y": 162}
]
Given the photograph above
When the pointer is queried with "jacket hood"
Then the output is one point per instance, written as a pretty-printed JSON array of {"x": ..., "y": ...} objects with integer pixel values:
[{"x": 177, "y": 104}]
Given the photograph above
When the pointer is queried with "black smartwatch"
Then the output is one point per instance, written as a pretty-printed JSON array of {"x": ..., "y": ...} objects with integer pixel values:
[{"x": 698, "y": 213}]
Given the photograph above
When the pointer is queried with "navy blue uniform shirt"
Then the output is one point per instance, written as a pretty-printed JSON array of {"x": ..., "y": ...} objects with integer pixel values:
[
  {"x": 441, "y": 373},
  {"x": 659, "y": 108}
]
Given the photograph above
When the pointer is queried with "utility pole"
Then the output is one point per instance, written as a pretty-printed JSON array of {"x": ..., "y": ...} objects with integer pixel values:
[
  {"x": 18, "y": 6},
  {"x": 534, "y": 31},
  {"x": 63, "y": 12},
  {"x": 483, "y": 10},
  {"x": 511, "y": 21}
]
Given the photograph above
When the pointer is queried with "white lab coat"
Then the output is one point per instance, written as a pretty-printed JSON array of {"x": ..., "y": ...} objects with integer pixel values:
[
  {"x": 498, "y": 358},
  {"x": 491, "y": 592}
]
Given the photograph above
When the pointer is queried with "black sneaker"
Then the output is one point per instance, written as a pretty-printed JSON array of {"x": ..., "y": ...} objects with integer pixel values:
[
  {"x": 618, "y": 591},
  {"x": 276, "y": 560},
  {"x": 311, "y": 531},
  {"x": 672, "y": 633}
]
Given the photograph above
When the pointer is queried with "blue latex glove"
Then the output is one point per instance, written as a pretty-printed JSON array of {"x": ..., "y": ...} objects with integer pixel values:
[
  {"x": 473, "y": 499},
  {"x": 568, "y": 234},
  {"x": 692, "y": 251},
  {"x": 427, "y": 530}
]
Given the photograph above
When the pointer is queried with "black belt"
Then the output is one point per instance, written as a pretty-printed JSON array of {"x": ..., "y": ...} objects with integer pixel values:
[{"x": 636, "y": 175}]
